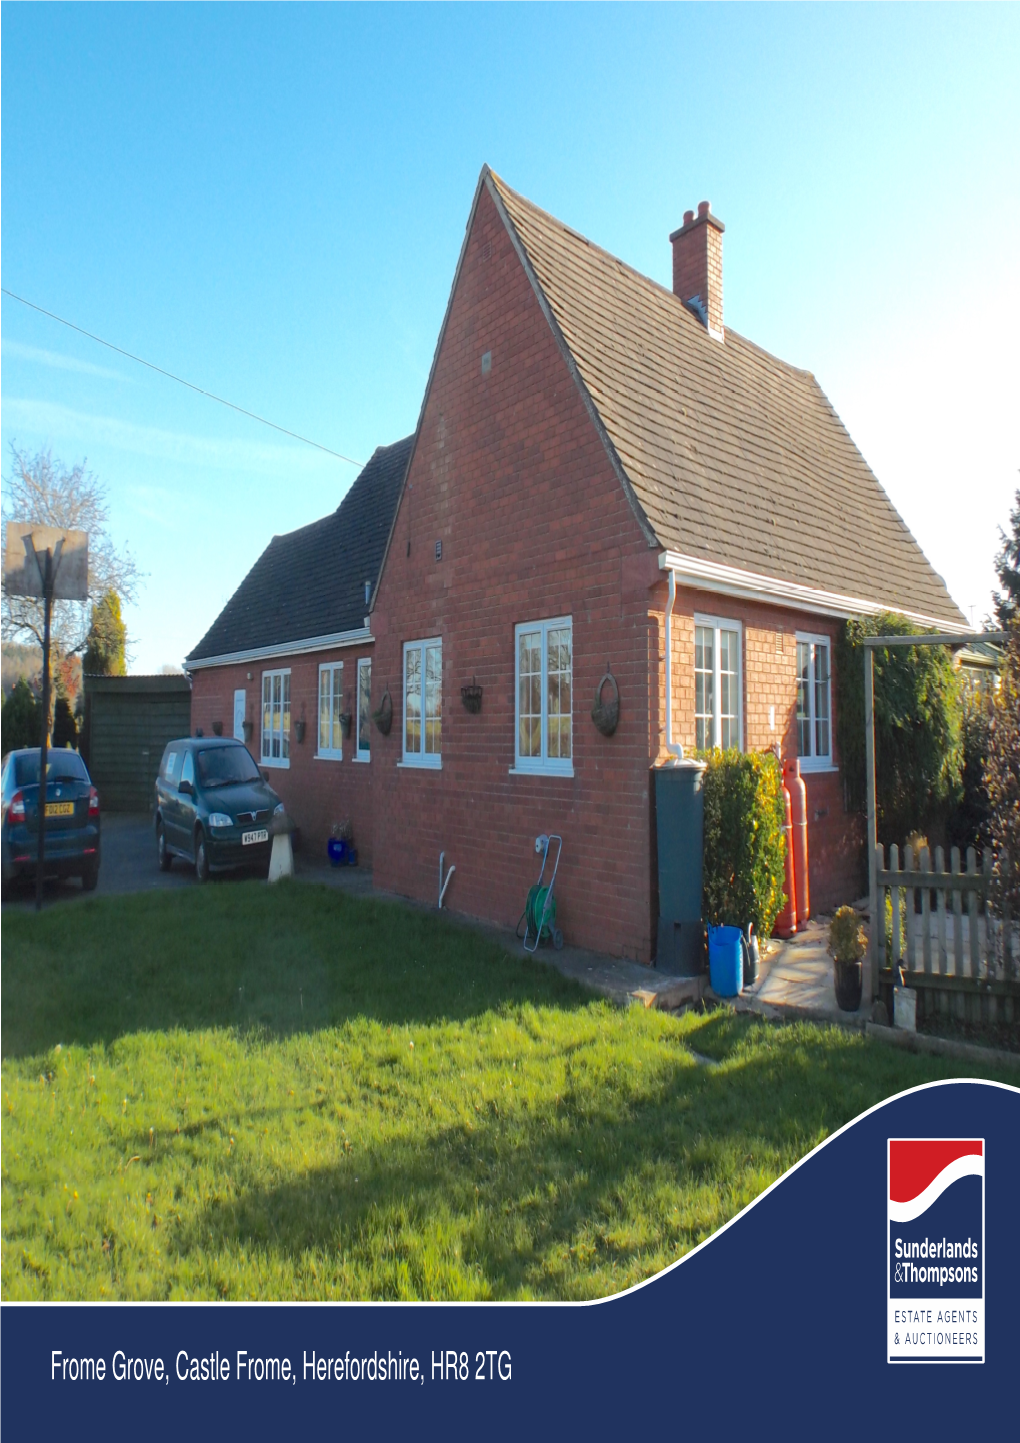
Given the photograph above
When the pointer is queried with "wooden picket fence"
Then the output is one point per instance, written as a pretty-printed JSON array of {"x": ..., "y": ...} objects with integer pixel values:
[{"x": 956, "y": 952}]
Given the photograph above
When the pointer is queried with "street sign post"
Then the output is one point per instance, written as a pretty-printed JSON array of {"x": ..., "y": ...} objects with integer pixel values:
[{"x": 53, "y": 564}]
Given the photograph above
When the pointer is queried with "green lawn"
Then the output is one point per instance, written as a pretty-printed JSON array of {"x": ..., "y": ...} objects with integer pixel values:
[{"x": 244, "y": 1092}]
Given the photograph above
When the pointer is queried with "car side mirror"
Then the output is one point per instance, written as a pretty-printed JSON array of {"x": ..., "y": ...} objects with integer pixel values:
[{"x": 186, "y": 787}]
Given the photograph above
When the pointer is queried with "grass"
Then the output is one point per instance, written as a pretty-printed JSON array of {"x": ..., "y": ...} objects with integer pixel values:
[{"x": 245, "y": 1092}]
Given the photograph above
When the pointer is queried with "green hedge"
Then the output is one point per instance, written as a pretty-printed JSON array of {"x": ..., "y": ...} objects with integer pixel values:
[{"x": 745, "y": 853}]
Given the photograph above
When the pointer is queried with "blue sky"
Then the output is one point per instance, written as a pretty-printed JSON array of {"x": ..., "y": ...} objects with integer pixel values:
[{"x": 270, "y": 201}]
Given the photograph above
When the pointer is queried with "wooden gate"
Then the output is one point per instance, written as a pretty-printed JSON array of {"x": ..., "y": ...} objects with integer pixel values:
[{"x": 939, "y": 927}]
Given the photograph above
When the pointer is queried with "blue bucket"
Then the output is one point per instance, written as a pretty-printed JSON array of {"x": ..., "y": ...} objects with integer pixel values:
[
  {"x": 337, "y": 850},
  {"x": 725, "y": 961}
]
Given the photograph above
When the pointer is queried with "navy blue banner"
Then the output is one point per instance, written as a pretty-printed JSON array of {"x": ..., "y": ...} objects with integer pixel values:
[{"x": 776, "y": 1324}]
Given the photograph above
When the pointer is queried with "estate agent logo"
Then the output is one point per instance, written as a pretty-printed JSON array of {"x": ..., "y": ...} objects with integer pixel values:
[{"x": 936, "y": 1250}]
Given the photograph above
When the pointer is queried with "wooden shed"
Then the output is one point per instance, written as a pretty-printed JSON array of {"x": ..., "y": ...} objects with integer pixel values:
[{"x": 128, "y": 722}]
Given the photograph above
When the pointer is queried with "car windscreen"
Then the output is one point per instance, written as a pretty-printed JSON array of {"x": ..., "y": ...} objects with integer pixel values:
[
  {"x": 220, "y": 766},
  {"x": 62, "y": 765}
]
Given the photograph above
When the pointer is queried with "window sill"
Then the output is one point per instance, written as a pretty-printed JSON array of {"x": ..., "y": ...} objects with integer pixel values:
[
  {"x": 366, "y": 758},
  {"x": 540, "y": 772},
  {"x": 327, "y": 756},
  {"x": 411, "y": 765},
  {"x": 281, "y": 762},
  {"x": 810, "y": 766}
]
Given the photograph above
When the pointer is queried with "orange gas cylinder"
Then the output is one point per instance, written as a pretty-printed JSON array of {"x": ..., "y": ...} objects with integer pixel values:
[
  {"x": 786, "y": 923},
  {"x": 794, "y": 783}
]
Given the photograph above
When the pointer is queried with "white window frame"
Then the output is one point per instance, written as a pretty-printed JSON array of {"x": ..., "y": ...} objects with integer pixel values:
[
  {"x": 814, "y": 762},
  {"x": 429, "y": 761},
  {"x": 364, "y": 663},
  {"x": 717, "y": 624},
  {"x": 334, "y": 752},
  {"x": 283, "y": 760},
  {"x": 543, "y": 764}
]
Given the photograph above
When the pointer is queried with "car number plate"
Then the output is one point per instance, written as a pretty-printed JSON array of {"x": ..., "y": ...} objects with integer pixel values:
[
  {"x": 248, "y": 839},
  {"x": 60, "y": 809}
]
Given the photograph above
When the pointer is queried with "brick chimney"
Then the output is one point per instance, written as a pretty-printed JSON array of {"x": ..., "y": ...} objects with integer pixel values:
[{"x": 697, "y": 266}]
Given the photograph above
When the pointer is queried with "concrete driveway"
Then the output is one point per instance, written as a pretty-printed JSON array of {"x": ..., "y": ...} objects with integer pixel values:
[{"x": 128, "y": 865}]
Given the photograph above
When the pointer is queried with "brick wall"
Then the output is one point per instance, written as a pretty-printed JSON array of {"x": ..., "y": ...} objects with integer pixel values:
[
  {"x": 509, "y": 474},
  {"x": 836, "y": 839},
  {"x": 317, "y": 791}
]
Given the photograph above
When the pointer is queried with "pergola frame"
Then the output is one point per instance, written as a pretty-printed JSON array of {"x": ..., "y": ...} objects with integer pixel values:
[{"x": 870, "y": 988}]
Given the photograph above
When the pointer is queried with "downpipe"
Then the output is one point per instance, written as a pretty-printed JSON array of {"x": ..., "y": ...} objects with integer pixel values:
[
  {"x": 675, "y": 750},
  {"x": 443, "y": 884}
]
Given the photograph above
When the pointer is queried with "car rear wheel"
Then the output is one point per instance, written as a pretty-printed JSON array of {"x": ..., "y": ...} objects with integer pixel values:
[
  {"x": 201, "y": 858},
  {"x": 165, "y": 855},
  {"x": 90, "y": 878}
]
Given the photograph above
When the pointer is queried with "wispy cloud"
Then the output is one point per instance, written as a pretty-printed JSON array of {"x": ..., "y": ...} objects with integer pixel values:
[
  {"x": 180, "y": 447},
  {"x": 59, "y": 362}
]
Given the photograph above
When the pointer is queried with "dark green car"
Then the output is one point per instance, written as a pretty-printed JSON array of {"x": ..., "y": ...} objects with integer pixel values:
[{"x": 213, "y": 808}]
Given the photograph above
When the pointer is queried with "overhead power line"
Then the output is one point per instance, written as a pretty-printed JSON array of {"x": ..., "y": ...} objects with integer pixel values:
[{"x": 179, "y": 379}]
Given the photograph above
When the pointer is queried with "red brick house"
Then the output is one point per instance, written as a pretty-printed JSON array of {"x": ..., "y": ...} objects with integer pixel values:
[
  {"x": 290, "y": 656},
  {"x": 602, "y": 475}
]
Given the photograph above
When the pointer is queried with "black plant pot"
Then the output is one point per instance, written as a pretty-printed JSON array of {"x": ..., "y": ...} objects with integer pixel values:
[{"x": 848, "y": 984}]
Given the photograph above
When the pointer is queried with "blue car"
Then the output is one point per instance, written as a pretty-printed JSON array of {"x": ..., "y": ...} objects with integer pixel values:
[{"x": 72, "y": 818}]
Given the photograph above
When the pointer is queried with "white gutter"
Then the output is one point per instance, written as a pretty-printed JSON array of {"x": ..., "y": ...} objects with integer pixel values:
[
  {"x": 752, "y": 586},
  {"x": 361, "y": 636},
  {"x": 675, "y": 750}
]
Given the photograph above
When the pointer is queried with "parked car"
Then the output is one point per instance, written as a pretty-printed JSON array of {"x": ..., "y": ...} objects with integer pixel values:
[
  {"x": 213, "y": 807},
  {"x": 72, "y": 818}
]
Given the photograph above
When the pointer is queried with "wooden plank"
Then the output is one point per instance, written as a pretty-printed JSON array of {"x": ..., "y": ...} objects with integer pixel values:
[
  {"x": 926, "y": 912},
  {"x": 878, "y": 913},
  {"x": 894, "y": 866},
  {"x": 940, "y": 902},
  {"x": 991, "y": 922},
  {"x": 972, "y": 912},
  {"x": 949, "y": 880},
  {"x": 908, "y": 906},
  {"x": 956, "y": 866}
]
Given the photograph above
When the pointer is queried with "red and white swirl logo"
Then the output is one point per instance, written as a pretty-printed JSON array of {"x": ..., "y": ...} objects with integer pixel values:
[{"x": 936, "y": 1250}]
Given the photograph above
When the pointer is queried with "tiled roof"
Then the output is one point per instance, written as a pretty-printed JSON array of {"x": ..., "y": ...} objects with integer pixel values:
[
  {"x": 733, "y": 456},
  {"x": 311, "y": 582}
]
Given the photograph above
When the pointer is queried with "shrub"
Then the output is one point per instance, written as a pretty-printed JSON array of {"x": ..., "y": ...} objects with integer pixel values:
[
  {"x": 968, "y": 824},
  {"x": 917, "y": 726},
  {"x": 888, "y": 926},
  {"x": 1003, "y": 776},
  {"x": 65, "y": 729},
  {"x": 745, "y": 851},
  {"x": 847, "y": 941},
  {"x": 21, "y": 718}
]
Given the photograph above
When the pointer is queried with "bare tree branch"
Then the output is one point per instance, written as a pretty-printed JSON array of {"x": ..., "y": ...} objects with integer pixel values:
[{"x": 45, "y": 492}]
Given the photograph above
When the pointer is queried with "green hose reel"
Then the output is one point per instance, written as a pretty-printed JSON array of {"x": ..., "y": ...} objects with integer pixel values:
[{"x": 541, "y": 916}]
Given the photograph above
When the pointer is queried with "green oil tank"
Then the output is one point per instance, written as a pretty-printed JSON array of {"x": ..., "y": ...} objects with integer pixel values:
[{"x": 679, "y": 816}]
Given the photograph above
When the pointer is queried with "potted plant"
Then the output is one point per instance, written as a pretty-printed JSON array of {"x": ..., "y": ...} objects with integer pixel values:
[{"x": 847, "y": 946}]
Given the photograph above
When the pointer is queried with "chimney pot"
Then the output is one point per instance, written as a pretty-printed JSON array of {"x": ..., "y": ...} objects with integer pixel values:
[{"x": 697, "y": 266}]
